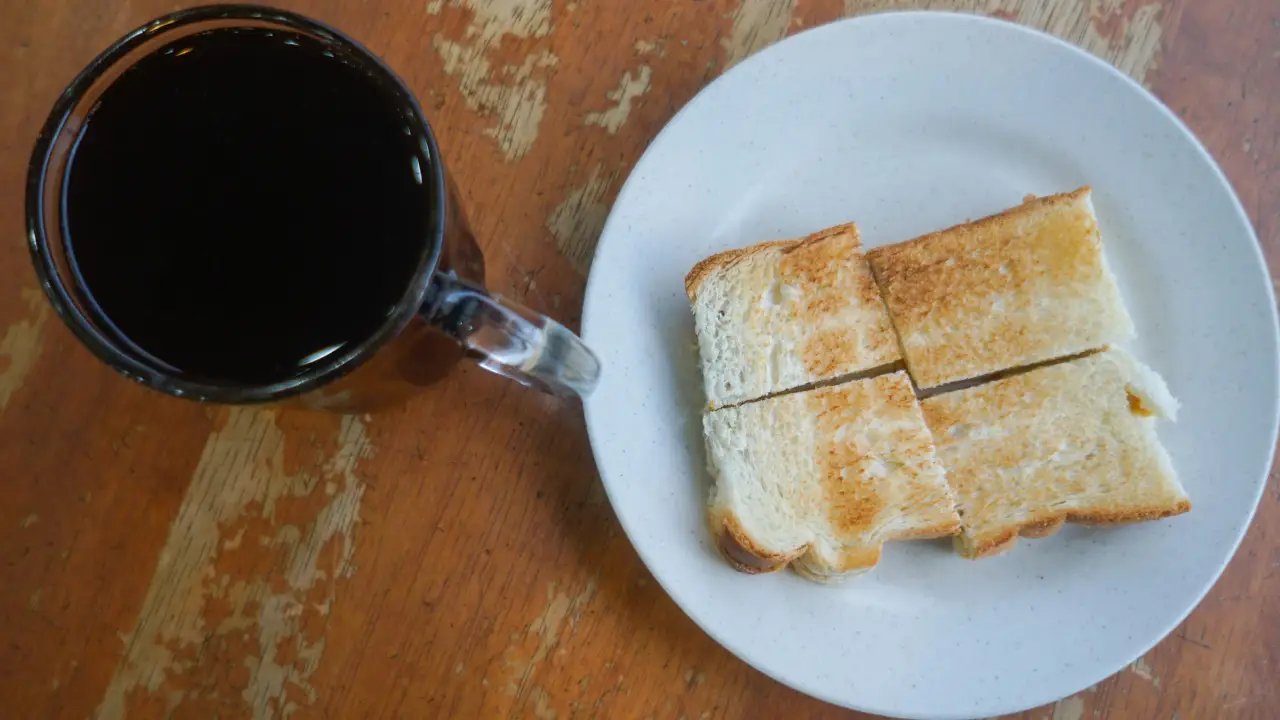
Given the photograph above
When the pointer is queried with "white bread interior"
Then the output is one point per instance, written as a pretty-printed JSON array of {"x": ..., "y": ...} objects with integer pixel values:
[
  {"x": 1017, "y": 288},
  {"x": 824, "y": 477},
  {"x": 1072, "y": 442},
  {"x": 782, "y": 315}
]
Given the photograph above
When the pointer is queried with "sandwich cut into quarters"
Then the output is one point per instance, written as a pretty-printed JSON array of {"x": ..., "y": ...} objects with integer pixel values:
[
  {"x": 821, "y": 478},
  {"x": 1025, "y": 286},
  {"x": 788, "y": 314},
  {"x": 1072, "y": 442}
]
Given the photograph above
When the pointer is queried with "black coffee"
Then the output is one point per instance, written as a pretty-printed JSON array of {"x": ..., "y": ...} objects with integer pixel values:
[{"x": 243, "y": 203}]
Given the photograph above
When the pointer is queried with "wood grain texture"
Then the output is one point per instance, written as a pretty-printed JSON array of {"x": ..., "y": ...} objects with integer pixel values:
[{"x": 456, "y": 557}]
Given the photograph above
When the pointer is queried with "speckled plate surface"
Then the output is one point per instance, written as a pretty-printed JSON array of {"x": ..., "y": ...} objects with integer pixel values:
[{"x": 907, "y": 123}]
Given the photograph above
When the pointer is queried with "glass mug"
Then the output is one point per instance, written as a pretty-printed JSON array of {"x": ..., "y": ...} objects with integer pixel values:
[{"x": 435, "y": 309}]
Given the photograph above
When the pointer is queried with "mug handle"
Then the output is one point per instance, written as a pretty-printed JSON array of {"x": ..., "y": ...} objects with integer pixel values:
[{"x": 510, "y": 339}]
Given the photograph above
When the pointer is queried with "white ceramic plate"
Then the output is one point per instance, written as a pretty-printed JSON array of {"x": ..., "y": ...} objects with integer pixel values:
[{"x": 908, "y": 123}]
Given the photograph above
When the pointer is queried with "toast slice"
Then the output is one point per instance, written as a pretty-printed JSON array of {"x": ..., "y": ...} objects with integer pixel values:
[
  {"x": 1072, "y": 442},
  {"x": 822, "y": 478},
  {"x": 785, "y": 314},
  {"x": 1021, "y": 287}
]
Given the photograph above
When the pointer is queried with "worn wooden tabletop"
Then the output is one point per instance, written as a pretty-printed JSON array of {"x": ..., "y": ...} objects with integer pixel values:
[{"x": 457, "y": 557}]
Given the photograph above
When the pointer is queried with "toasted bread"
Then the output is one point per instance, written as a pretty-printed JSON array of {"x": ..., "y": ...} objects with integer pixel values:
[
  {"x": 822, "y": 478},
  {"x": 786, "y": 314},
  {"x": 1018, "y": 288},
  {"x": 1072, "y": 442}
]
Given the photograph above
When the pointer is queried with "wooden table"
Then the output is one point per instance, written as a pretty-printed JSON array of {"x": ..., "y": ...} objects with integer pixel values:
[{"x": 457, "y": 557}]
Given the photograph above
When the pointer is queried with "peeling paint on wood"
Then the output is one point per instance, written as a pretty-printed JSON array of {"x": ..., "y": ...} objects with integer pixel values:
[
  {"x": 1123, "y": 33},
  {"x": 646, "y": 47},
  {"x": 514, "y": 94},
  {"x": 1142, "y": 669},
  {"x": 577, "y": 222},
  {"x": 21, "y": 344},
  {"x": 546, "y": 631},
  {"x": 628, "y": 90},
  {"x": 192, "y": 602},
  {"x": 756, "y": 24},
  {"x": 1071, "y": 708}
]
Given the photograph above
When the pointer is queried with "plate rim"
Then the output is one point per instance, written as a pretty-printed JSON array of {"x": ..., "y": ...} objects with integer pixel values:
[{"x": 701, "y": 97}]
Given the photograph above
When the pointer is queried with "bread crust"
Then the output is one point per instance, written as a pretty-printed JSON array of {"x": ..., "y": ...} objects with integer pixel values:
[
  {"x": 1042, "y": 528},
  {"x": 1007, "y": 539},
  {"x": 729, "y": 258},
  {"x": 726, "y": 260},
  {"x": 856, "y": 561},
  {"x": 743, "y": 553}
]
